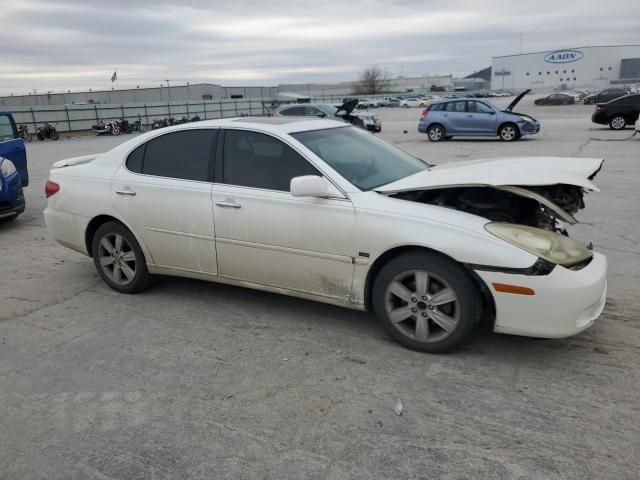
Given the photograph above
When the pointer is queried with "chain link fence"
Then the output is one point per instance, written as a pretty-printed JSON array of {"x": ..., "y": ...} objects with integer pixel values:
[{"x": 70, "y": 118}]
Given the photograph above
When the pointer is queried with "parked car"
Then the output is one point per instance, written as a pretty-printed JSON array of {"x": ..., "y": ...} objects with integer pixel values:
[
  {"x": 556, "y": 99},
  {"x": 446, "y": 118},
  {"x": 392, "y": 102},
  {"x": 368, "y": 103},
  {"x": 618, "y": 113},
  {"x": 364, "y": 120},
  {"x": 321, "y": 210},
  {"x": 604, "y": 96},
  {"x": 13, "y": 169},
  {"x": 414, "y": 102}
]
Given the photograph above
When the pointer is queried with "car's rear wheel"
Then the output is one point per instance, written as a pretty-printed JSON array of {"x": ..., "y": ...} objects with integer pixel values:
[
  {"x": 119, "y": 258},
  {"x": 405, "y": 105},
  {"x": 508, "y": 132},
  {"x": 618, "y": 122},
  {"x": 435, "y": 133},
  {"x": 426, "y": 302}
]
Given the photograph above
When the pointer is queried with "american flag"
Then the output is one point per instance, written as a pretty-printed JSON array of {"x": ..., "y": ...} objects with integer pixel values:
[{"x": 114, "y": 77}]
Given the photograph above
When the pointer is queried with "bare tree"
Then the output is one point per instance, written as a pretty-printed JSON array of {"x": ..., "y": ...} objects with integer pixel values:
[{"x": 372, "y": 80}]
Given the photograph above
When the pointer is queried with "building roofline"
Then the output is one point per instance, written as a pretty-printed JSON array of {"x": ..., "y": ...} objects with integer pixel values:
[{"x": 570, "y": 48}]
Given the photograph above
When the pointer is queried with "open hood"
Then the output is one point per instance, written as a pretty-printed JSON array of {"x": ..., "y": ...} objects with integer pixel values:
[
  {"x": 496, "y": 172},
  {"x": 492, "y": 187},
  {"x": 348, "y": 105},
  {"x": 516, "y": 100}
]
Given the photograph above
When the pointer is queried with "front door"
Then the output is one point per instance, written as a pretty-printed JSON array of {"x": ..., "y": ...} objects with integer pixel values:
[
  {"x": 266, "y": 236},
  {"x": 164, "y": 191},
  {"x": 480, "y": 118}
]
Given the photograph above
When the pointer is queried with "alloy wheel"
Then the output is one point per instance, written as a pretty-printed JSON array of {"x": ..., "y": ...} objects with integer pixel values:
[
  {"x": 618, "y": 122},
  {"x": 435, "y": 134},
  {"x": 422, "y": 306},
  {"x": 117, "y": 259},
  {"x": 508, "y": 133}
]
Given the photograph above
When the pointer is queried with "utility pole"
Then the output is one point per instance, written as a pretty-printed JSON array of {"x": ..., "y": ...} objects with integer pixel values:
[
  {"x": 168, "y": 89},
  {"x": 521, "y": 35}
]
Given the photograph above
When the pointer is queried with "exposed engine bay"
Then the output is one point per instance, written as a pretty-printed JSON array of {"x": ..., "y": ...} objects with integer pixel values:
[{"x": 535, "y": 206}]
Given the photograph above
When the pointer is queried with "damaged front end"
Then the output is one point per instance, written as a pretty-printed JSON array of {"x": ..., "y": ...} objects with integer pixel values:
[{"x": 546, "y": 207}]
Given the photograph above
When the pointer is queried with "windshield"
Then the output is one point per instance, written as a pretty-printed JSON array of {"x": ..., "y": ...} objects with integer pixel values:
[
  {"x": 330, "y": 110},
  {"x": 360, "y": 157}
]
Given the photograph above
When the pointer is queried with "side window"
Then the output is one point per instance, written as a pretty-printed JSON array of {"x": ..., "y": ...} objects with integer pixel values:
[
  {"x": 455, "y": 107},
  {"x": 313, "y": 112},
  {"x": 293, "y": 112},
  {"x": 481, "y": 107},
  {"x": 6, "y": 129},
  {"x": 437, "y": 107},
  {"x": 186, "y": 155},
  {"x": 257, "y": 160}
]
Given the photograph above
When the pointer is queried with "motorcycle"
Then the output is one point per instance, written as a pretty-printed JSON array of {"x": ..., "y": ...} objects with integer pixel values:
[
  {"x": 109, "y": 128},
  {"x": 48, "y": 130},
  {"x": 159, "y": 124},
  {"x": 130, "y": 127},
  {"x": 24, "y": 134}
]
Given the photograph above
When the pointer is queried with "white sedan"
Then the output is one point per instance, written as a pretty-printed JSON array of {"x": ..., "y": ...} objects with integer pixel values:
[
  {"x": 325, "y": 211},
  {"x": 414, "y": 102}
]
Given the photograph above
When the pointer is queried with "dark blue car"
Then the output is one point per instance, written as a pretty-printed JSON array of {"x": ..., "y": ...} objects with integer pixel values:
[
  {"x": 446, "y": 118},
  {"x": 13, "y": 169}
]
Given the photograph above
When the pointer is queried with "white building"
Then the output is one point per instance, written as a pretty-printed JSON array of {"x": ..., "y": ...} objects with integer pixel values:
[{"x": 591, "y": 67}]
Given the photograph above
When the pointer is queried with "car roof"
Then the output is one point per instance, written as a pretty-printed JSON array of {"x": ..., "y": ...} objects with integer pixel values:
[{"x": 265, "y": 124}]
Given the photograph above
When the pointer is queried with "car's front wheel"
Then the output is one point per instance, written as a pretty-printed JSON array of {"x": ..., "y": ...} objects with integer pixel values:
[
  {"x": 426, "y": 302},
  {"x": 508, "y": 132},
  {"x": 119, "y": 258},
  {"x": 618, "y": 122},
  {"x": 435, "y": 133}
]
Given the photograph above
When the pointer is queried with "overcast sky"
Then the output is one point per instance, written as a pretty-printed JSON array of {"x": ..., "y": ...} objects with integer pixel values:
[{"x": 77, "y": 44}]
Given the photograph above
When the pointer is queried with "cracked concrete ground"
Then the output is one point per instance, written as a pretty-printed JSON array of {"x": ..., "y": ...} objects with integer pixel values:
[{"x": 197, "y": 380}]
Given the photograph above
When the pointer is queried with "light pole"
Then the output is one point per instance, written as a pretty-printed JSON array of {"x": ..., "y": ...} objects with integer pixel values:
[{"x": 168, "y": 89}]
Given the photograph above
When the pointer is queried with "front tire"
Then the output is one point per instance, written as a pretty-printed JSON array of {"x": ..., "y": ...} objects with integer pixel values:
[
  {"x": 435, "y": 133},
  {"x": 508, "y": 132},
  {"x": 426, "y": 302},
  {"x": 618, "y": 122},
  {"x": 119, "y": 258}
]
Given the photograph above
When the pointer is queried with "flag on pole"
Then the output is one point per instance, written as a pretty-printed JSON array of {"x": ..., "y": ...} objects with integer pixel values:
[{"x": 114, "y": 77}]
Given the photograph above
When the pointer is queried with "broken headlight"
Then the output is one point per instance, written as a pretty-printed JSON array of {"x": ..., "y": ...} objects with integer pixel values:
[{"x": 550, "y": 246}]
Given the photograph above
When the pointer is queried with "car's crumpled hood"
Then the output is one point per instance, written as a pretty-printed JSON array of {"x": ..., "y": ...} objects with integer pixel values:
[
  {"x": 363, "y": 114},
  {"x": 522, "y": 171}
]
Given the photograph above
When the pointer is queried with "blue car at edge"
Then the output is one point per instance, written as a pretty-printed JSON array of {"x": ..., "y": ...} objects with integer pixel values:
[
  {"x": 447, "y": 118},
  {"x": 13, "y": 169}
]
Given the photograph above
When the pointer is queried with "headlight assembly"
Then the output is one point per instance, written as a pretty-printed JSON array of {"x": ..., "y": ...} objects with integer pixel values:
[
  {"x": 550, "y": 246},
  {"x": 7, "y": 168}
]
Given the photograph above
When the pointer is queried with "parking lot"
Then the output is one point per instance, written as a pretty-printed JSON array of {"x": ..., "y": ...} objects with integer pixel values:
[{"x": 200, "y": 380}]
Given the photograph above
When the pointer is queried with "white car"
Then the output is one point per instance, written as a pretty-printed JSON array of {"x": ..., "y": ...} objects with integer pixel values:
[
  {"x": 322, "y": 210},
  {"x": 414, "y": 102}
]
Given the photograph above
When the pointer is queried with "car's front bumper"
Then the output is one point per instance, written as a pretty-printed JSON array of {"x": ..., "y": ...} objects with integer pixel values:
[
  {"x": 529, "y": 128},
  {"x": 565, "y": 302}
]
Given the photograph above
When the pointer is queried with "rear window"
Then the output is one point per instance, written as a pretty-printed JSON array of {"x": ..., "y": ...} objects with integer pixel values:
[
  {"x": 455, "y": 107},
  {"x": 6, "y": 128}
]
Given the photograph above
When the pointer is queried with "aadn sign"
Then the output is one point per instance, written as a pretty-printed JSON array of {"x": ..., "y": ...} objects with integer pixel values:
[{"x": 563, "y": 56}]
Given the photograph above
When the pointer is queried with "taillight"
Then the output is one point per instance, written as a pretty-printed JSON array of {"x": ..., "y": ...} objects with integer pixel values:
[
  {"x": 599, "y": 107},
  {"x": 51, "y": 188},
  {"x": 425, "y": 112}
]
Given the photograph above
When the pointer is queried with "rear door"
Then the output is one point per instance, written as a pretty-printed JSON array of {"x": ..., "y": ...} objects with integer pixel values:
[
  {"x": 455, "y": 116},
  {"x": 164, "y": 191},
  {"x": 12, "y": 146}
]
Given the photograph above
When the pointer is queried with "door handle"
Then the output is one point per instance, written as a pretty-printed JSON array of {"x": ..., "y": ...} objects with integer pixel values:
[
  {"x": 228, "y": 204},
  {"x": 126, "y": 191},
  {"x": 469, "y": 116}
]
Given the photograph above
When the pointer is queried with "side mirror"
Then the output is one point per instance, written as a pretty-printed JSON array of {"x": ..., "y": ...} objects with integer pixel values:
[
  {"x": 313, "y": 186},
  {"x": 322, "y": 115}
]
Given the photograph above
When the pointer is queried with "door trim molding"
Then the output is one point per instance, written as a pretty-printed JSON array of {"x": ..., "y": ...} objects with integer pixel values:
[{"x": 307, "y": 253}]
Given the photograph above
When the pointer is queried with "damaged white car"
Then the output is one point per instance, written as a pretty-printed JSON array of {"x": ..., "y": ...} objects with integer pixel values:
[{"x": 325, "y": 211}]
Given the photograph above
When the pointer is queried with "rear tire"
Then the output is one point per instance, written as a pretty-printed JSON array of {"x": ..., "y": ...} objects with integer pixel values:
[
  {"x": 55, "y": 136},
  {"x": 426, "y": 302},
  {"x": 119, "y": 258},
  {"x": 618, "y": 122},
  {"x": 435, "y": 133}
]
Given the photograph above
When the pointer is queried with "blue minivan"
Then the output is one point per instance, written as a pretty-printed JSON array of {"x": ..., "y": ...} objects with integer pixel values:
[
  {"x": 13, "y": 169},
  {"x": 446, "y": 118}
]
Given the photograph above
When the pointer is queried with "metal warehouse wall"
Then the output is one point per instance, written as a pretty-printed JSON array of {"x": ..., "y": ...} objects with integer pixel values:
[{"x": 597, "y": 67}]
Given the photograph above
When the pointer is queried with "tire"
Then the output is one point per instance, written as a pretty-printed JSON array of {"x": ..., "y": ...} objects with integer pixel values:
[
  {"x": 40, "y": 137},
  {"x": 119, "y": 258},
  {"x": 29, "y": 137},
  {"x": 55, "y": 136},
  {"x": 115, "y": 130},
  {"x": 508, "y": 132},
  {"x": 435, "y": 133},
  {"x": 405, "y": 106},
  {"x": 618, "y": 122},
  {"x": 402, "y": 294}
]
